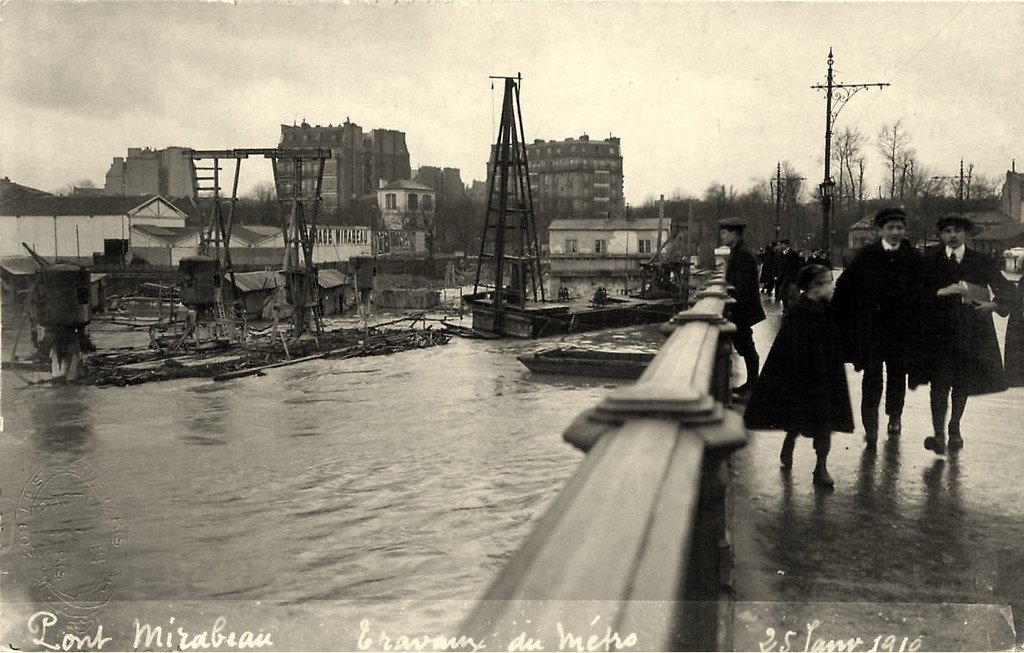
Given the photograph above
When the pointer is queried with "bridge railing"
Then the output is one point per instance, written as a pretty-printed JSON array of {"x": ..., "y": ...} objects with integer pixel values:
[{"x": 638, "y": 540}]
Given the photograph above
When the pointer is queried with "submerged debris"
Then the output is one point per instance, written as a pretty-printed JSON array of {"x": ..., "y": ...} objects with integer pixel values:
[{"x": 222, "y": 359}]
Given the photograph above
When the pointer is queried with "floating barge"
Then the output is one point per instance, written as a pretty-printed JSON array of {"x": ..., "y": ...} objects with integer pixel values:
[
  {"x": 538, "y": 319},
  {"x": 588, "y": 362}
]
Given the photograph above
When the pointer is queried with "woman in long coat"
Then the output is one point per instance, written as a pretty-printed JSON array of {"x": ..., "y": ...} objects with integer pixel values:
[
  {"x": 1014, "y": 354},
  {"x": 802, "y": 387}
]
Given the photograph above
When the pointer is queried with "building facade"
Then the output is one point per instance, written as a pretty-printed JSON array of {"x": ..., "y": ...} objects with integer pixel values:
[
  {"x": 1013, "y": 195},
  {"x": 358, "y": 161},
  {"x": 586, "y": 254},
  {"x": 407, "y": 210},
  {"x": 75, "y": 228},
  {"x": 446, "y": 182},
  {"x": 576, "y": 178},
  {"x": 332, "y": 243},
  {"x": 165, "y": 172}
]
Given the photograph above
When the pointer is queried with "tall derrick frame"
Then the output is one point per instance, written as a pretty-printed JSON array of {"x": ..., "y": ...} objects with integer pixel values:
[{"x": 509, "y": 237}]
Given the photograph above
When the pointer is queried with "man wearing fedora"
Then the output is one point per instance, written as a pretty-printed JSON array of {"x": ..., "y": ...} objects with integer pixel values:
[
  {"x": 741, "y": 274},
  {"x": 875, "y": 301},
  {"x": 960, "y": 354}
]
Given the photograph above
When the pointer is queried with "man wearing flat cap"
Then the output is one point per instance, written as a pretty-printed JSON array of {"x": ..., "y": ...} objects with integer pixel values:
[
  {"x": 741, "y": 274},
  {"x": 959, "y": 353},
  {"x": 875, "y": 297}
]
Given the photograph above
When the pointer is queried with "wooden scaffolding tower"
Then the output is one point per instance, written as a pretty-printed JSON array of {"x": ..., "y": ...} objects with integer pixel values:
[{"x": 509, "y": 243}]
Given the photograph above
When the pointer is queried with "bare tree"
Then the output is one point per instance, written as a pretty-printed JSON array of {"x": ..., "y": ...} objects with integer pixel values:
[
  {"x": 720, "y": 198},
  {"x": 893, "y": 141},
  {"x": 847, "y": 151},
  {"x": 907, "y": 166}
]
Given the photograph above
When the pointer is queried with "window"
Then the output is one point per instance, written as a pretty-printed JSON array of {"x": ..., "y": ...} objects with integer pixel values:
[
  {"x": 391, "y": 201},
  {"x": 600, "y": 246},
  {"x": 428, "y": 203},
  {"x": 414, "y": 202},
  {"x": 645, "y": 245},
  {"x": 571, "y": 246}
]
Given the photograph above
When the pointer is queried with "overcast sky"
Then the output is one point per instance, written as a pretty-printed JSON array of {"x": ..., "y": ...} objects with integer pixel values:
[{"x": 698, "y": 92}]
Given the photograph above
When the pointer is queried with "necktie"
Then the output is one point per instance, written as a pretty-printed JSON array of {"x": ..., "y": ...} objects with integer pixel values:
[{"x": 952, "y": 258}]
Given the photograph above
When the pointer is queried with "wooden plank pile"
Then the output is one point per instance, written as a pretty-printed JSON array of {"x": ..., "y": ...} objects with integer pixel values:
[{"x": 222, "y": 360}]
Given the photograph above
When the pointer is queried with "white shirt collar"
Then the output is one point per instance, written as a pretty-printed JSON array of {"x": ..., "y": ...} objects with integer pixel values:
[
  {"x": 959, "y": 251},
  {"x": 887, "y": 247}
]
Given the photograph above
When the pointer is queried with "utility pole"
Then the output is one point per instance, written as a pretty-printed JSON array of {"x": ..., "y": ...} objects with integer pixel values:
[
  {"x": 777, "y": 190},
  {"x": 841, "y": 93},
  {"x": 959, "y": 186}
]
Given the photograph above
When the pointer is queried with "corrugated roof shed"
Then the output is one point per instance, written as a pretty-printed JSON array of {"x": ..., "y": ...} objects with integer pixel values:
[
  {"x": 23, "y": 204},
  {"x": 331, "y": 278},
  {"x": 259, "y": 280},
  {"x": 253, "y": 234},
  {"x": 18, "y": 265},
  {"x": 169, "y": 235}
]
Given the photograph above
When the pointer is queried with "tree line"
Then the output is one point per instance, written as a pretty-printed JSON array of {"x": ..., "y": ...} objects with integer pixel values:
[{"x": 926, "y": 193}]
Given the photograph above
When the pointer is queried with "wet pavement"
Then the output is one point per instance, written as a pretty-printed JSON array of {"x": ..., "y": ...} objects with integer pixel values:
[{"x": 910, "y": 551}]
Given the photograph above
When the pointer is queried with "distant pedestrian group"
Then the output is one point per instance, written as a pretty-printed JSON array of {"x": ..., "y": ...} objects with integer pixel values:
[{"x": 903, "y": 318}]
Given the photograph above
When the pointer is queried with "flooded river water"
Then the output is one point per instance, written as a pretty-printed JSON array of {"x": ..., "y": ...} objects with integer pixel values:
[{"x": 302, "y": 502}]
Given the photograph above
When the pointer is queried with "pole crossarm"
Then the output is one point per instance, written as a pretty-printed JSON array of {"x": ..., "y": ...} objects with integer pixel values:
[
  {"x": 841, "y": 94},
  {"x": 836, "y": 97}
]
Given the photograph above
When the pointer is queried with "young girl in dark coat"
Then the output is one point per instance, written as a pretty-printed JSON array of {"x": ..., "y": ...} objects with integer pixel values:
[{"x": 802, "y": 388}]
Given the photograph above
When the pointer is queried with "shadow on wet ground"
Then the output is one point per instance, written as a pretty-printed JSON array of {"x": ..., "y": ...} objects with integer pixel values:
[{"x": 908, "y": 544}]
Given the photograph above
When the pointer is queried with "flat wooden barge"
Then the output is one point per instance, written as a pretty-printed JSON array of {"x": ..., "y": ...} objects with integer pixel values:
[
  {"x": 538, "y": 319},
  {"x": 587, "y": 362}
]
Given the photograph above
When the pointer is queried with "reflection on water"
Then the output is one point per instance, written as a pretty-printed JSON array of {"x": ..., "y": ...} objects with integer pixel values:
[{"x": 407, "y": 477}]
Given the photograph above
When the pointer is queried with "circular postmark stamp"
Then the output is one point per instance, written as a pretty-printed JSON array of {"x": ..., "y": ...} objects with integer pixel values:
[{"x": 71, "y": 539}]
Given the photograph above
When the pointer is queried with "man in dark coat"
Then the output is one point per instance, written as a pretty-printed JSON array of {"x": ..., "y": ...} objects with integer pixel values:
[
  {"x": 875, "y": 301},
  {"x": 960, "y": 354},
  {"x": 741, "y": 274},
  {"x": 787, "y": 265}
]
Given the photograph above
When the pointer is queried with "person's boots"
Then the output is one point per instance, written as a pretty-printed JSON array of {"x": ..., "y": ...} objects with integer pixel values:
[
  {"x": 743, "y": 391},
  {"x": 956, "y": 440},
  {"x": 937, "y": 443},
  {"x": 821, "y": 476},
  {"x": 895, "y": 426},
  {"x": 786, "y": 457}
]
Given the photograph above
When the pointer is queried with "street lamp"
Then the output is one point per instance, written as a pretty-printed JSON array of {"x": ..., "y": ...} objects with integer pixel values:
[{"x": 827, "y": 193}]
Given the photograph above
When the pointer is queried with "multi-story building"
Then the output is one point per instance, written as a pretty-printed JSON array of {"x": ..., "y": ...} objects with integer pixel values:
[
  {"x": 586, "y": 254},
  {"x": 576, "y": 178},
  {"x": 446, "y": 182},
  {"x": 1013, "y": 195},
  {"x": 359, "y": 161},
  {"x": 165, "y": 172}
]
